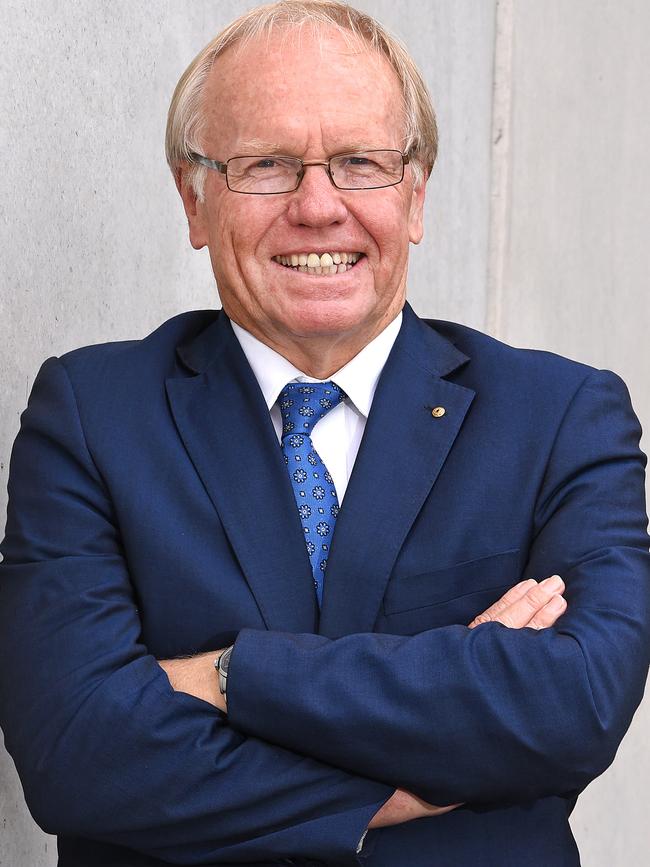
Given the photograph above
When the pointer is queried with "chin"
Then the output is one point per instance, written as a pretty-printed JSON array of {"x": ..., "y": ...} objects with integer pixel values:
[{"x": 329, "y": 318}]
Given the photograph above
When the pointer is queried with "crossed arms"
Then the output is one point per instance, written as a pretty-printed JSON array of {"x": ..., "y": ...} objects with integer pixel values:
[
  {"x": 527, "y": 605},
  {"x": 106, "y": 749}
]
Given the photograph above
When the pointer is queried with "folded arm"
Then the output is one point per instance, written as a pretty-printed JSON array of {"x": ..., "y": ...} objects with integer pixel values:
[
  {"x": 489, "y": 714},
  {"x": 104, "y": 747},
  {"x": 528, "y": 604}
]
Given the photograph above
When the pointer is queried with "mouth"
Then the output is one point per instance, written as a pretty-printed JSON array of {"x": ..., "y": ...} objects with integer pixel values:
[{"x": 321, "y": 264}]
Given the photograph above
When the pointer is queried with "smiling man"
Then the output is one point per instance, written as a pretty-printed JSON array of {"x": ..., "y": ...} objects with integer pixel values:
[
  {"x": 334, "y": 182},
  {"x": 281, "y": 582}
]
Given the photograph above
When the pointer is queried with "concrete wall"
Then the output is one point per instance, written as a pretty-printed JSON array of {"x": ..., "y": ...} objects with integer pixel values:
[
  {"x": 570, "y": 261},
  {"x": 535, "y": 227}
]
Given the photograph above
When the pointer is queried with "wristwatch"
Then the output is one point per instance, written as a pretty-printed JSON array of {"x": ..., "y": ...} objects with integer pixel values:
[{"x": 221, "y": 664}]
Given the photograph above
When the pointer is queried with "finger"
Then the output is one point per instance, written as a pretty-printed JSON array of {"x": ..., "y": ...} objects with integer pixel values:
[
  {"x": 547, "y": 615},
  {"x": 520, "y": 613},
  {"x": 440, "y": 811},
  {"x": 513, "y": 595}
]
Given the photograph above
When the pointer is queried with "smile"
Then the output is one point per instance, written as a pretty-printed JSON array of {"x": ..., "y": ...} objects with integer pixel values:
[{"x": 314, "y": 263}]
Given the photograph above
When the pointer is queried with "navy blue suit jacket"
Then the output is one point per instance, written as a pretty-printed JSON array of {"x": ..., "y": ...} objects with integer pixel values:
[{"x": 151, "y": 516}]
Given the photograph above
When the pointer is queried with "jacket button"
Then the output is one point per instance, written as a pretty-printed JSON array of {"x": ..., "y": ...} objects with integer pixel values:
[{"x": 438, "y": 411}]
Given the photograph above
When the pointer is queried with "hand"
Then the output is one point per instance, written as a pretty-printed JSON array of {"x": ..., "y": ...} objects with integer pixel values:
[
  {"x": 196, "y": 675},
  {"x": 402, "y": 807},
  {"x": 528, "y": 603}
]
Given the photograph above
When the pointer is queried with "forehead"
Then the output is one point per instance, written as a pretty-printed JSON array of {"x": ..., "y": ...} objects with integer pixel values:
[{"x": 299, "y": 90}]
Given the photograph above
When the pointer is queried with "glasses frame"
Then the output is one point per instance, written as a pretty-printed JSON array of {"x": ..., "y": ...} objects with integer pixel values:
[{"x": 222, "y": 168}]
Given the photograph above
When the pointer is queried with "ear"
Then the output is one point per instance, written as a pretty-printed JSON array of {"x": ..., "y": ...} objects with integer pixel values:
[
  {"x": 194, "y": 209},
  {"x": 416, "y": 212}
]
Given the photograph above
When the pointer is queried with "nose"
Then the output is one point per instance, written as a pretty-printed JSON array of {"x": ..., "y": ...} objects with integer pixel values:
[{"x": 316, "y": 202}]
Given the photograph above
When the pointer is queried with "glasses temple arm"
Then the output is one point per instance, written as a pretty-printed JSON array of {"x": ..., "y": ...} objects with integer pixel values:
[{"x": 211, "y": 164}]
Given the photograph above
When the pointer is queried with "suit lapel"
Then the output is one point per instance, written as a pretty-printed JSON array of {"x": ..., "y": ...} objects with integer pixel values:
[
  {"x": 227, "y": 431},
  {"x": 402, "y": 452}
]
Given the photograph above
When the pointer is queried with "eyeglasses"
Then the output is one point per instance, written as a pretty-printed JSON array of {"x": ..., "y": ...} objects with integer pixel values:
[{"x": 263, "y": 175}]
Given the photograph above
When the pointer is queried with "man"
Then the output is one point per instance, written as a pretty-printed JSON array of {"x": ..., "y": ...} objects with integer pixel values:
[{"x": 330, "y": 499}]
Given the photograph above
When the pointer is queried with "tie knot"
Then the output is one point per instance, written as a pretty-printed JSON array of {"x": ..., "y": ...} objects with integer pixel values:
[{"x": 302, "y": 404}]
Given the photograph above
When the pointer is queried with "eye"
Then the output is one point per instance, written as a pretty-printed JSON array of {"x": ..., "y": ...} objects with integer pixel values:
[
  {"x": 359, "y": 164},
  {"x": 266, "y": 163}
]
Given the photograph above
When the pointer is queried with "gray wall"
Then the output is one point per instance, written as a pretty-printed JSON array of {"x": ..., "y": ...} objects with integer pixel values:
[{"x": 536, "y": 222}]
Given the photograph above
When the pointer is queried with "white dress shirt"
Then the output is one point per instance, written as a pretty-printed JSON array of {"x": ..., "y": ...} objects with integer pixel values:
[{"x": 337, "y": 436}]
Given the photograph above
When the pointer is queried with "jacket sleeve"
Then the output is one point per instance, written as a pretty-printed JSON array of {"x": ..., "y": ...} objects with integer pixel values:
[
  {"x": 490, "y": 714},
  {"x": 104, "y": 747}
]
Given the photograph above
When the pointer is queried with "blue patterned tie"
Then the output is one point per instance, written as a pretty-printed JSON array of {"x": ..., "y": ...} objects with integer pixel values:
[{"x": 302, "y": 405}]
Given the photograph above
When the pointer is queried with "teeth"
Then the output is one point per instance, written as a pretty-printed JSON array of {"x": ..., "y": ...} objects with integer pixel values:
[{"x": 313, "y": 263}]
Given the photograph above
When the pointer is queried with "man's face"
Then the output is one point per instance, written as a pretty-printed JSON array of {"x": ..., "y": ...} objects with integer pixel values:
[{"x": 291, "y": 96}]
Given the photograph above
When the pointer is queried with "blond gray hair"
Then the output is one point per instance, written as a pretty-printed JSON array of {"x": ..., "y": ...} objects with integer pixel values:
[{"x": 185, "y": 120}]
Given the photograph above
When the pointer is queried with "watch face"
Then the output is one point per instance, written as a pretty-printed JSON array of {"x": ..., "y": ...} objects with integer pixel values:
[{"x": 224, "y": 662}]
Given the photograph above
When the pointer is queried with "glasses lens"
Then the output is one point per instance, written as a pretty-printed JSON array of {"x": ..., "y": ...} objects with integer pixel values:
[
  {"x": 263, "y": 174},
  {"x": 367, "y": 170}
]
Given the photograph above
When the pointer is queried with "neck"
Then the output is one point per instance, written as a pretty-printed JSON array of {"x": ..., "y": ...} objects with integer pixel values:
[{"x": 320, "y": 356}]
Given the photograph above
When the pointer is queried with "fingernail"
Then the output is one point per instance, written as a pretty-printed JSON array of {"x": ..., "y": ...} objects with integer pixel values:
[
  {"x": 553, "y": 583},
  {"x": 556, "y": 604}
]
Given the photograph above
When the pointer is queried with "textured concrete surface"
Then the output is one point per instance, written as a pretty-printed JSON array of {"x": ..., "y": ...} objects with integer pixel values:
[
  {"x": 536, "y": 220},
  {"x": 576, "y": 266},
  {"x": 453, "y": 43}
]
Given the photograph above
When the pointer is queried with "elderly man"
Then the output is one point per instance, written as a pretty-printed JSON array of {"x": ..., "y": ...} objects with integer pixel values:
[{"x": 255, "y": 602}]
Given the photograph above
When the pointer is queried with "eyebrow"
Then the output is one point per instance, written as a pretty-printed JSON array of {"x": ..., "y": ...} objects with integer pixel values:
[{"x": 259, "y": 146}]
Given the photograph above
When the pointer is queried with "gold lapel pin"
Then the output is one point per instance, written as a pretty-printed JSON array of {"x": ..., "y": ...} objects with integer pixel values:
[{"x": 438, "y": 411}]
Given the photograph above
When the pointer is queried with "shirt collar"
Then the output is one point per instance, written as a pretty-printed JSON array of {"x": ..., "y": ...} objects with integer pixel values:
[{"x": 358, "y": 378}]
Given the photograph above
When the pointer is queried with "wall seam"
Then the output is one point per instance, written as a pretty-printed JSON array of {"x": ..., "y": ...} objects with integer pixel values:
[{"x": 500, "y": 165}]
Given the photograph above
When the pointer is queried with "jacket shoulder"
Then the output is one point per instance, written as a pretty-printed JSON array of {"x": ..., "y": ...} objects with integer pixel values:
[
  {"x": 154, "y": 354},
  {"x": 513, "y": 365}
]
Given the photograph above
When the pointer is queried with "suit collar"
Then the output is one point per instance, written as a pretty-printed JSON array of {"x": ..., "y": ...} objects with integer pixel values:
[
  {"x": 200, "y": 350},
  {"x": 358, "y": 378},
  {"x": 402, "y": 453},
  {"x": 225, "y": 425},
  {"x": 224, "y": 422},
  {"x": 428, "y": 349}
]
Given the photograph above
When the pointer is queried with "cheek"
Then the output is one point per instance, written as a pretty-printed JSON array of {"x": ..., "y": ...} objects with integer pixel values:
[
  {"x": 388, "y": 225},
  {"x": 227, "y": 217},
  {"x": 243, "y": 236},
  {"x": 393, "y": 243}
]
